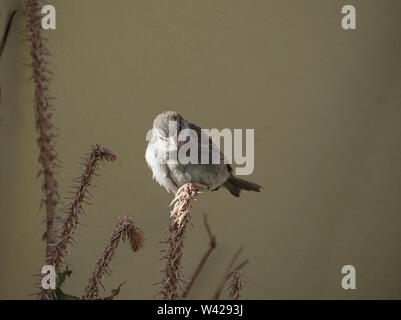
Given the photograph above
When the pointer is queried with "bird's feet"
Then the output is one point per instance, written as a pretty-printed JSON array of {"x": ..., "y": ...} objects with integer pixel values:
[{"x": 201, "y": 187}]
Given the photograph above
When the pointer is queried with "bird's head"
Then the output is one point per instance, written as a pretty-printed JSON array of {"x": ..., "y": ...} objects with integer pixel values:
[{"x": 166, "y": 128}]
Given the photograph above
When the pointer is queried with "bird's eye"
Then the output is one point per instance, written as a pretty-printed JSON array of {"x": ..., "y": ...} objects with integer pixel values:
[{"x": 163, "y": 138}]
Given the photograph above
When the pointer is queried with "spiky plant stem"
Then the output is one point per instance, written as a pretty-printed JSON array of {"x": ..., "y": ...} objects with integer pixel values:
[
  {"x": 126, "y": 229},
  {"x": 75, "y": 208},
  {"x": 47, "y": 155},
  {"x": 228, "y": 273},
  {"x": 236, "y": 285},
  {"x": 180, "y": 216}
]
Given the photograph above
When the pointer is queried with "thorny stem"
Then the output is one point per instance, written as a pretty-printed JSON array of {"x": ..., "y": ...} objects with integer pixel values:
[
  {"x": 226, "y": 275},
  {"x": 236, "y": 285},
  {"x": 126, "y": 229},
  {"x": 47, "y": 156},
  {"x": 71, "y": 221},
  {"x": 180, "y": 216}
]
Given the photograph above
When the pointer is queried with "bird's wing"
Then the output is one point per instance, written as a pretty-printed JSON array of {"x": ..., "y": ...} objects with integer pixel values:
[{"x": 206, "y": 145}]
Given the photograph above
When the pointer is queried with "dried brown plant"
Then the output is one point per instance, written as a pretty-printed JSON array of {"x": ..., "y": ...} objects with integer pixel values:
[
  {"x": 75, "y": 208},
  {"x": 126, "y": 229},
  {"x": 56, "y": 247},
  {"x": 212, "y": 246},
  {"x": 236, "y": 285},
  {"x": 180, "y": 216},
  {"x": 229, "y": 273},
  {"x": 7, "y": 31},
  {"x": 45, "y": 128},
  {"x": 45, "y": 294}
]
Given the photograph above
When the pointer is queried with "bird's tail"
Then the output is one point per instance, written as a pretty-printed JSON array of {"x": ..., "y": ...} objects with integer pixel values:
[{"x": 235, "y": 185}]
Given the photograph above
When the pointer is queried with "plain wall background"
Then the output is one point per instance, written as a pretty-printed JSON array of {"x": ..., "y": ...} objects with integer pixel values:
[{"x": 324, "y": 103}]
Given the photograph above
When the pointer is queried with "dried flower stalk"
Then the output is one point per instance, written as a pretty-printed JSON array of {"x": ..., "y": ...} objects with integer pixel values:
[
  {"x": 45, "y": 294},
  {"x": 212, "y": 246},
  {"x": 71, "y": 221},
  {"x": 48, "y": 155},
  {"x": 115, "y": 292},
  {"x": 236, "y": 285},
  {"x": 228, "y": 273},
  {"x": 126, "y": 229},
  {"x": 180, "y": 216}
]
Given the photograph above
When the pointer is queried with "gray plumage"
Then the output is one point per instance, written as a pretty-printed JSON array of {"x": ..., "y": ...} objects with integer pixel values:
[{"x": 172, "y": 175}]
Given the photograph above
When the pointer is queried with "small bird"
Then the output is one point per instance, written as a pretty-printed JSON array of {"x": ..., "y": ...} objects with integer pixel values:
[{"x": 174, "y": 174}]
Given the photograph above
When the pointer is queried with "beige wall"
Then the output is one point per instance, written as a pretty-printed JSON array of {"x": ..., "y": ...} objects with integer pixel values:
[{"x": 325, "y": 105}]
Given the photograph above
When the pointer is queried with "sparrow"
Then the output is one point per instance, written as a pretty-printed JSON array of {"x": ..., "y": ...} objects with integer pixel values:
[{"x": 174, "y": 174}]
